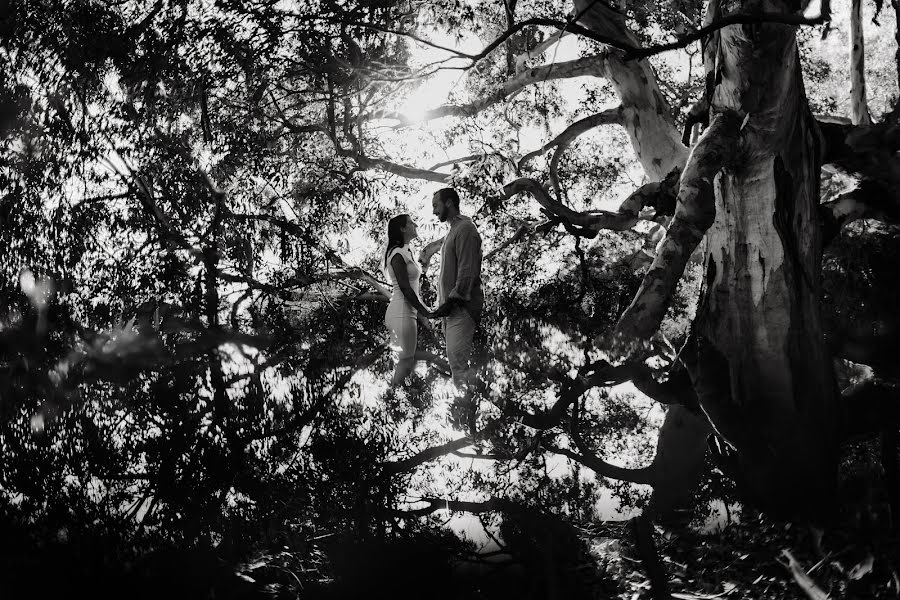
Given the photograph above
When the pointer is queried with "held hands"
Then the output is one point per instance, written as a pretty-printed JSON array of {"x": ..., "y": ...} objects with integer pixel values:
[{"x": 441, "y": 311}]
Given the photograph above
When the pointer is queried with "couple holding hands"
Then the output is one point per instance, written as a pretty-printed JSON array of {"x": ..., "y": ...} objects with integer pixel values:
[{"x": 460, "y": 297}]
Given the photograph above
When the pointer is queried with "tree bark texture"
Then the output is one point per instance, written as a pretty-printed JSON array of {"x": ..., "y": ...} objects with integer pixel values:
[
  {"x": 760, "y": 367},
  {"x": 646, "y": 115},
  {"x": 859, "y": 108}
]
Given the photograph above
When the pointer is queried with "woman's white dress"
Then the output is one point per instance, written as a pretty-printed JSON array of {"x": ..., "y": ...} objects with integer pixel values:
[{"x": 400, "y": 317}]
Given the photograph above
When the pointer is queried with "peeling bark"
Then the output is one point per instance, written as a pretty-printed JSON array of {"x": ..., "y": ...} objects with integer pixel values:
[
  {"x": 760, "y": 365},
  {"x": 694, "y": 214},
  {"x": 647, "y": 116}
]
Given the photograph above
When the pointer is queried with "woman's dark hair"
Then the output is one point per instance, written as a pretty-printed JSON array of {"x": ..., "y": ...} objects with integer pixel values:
[{"x": 395, "y": 234}]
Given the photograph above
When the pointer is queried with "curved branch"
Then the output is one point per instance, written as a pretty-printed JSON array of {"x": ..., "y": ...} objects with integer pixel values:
[
  {"x": 599, "y": 466},
  {"x": 860, "y": 203},
  {"x": 590, "y": 220},
  {"x": 694, "y": 214},
  {"x": 644, "y": 475},
  {"x": 607, "y": 117}
]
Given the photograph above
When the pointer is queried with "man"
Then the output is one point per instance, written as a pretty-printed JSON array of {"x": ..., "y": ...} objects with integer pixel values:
[{"x": 459, "y": 285}]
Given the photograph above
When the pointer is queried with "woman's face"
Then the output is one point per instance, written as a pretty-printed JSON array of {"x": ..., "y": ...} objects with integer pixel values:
[{"x": 409, "y": 230}]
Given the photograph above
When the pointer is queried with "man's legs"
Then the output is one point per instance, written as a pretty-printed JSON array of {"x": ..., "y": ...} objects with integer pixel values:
[{"x": 459, "y": 329}]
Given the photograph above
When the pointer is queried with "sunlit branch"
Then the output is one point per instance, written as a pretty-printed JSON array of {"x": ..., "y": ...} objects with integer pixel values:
[
  {"x": 589, "y": 221},
  {"x": 853, "y": 206},
  {"x": 694, "y": 214},
  {"x": 437, "y": 361},
  {"x": 540, "y": 49},
  {"x": 409, "y": 172},
  {"x": 430, "y": 249},
  {"x": 607, "y": 117},
  {"x": 456, "y": 161},
  {"x": 436, "y": 504},
  {"x": 424, "y": 456},
  {"x": 859, "y": 108},
  {"x": 589, "y": 65}
]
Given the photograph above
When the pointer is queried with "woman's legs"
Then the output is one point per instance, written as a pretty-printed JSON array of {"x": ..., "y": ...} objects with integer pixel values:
[{"x": 403, "y": 330}]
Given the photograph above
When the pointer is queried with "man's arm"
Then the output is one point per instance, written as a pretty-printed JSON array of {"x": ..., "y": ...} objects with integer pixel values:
[{"x": 468, "y": 263}]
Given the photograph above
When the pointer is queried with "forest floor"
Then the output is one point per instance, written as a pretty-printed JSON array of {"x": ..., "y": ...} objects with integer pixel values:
[
  {"x": 752, "y": 557},
  {"x": 755, "y": 559}
]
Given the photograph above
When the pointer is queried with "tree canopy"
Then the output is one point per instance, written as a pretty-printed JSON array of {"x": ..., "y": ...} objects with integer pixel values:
[{"x": 690, "y": 242}]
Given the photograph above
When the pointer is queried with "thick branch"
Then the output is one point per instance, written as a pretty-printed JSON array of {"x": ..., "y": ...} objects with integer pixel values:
[
  {"x": 409, "y": 172},
  {"x": 694, "y": 214},
  {"x": 436, "y": 504},
  {"x": 851, "y": 207},
  {"x": 592, "y": 221},
  {"x": 859, "y": 108},
  {"x": 603, "y": 468},
  {"x": 427, "y": 455},
  {"x": 540, "y": 49}
]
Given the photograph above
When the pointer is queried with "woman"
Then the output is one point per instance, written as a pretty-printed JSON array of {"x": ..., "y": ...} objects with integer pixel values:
[{"x": 404, "y": 273}]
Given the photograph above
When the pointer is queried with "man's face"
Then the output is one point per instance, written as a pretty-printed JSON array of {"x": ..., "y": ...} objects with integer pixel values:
[{"x": 439, "y": 208}]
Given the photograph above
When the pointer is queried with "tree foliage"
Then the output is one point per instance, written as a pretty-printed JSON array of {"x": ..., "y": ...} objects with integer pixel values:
[{"x": 191, "y": 201}]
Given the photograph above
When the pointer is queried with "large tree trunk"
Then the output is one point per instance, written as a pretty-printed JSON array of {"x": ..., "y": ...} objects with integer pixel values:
[
  {"x": 762, "y": 372},
  {"x": 859, "y": 107}
]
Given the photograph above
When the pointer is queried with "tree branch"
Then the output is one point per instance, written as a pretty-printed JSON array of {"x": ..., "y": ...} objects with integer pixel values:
[
  {"x": 436, "y": 504},
  {"x": 694, "y": 214},
  {"x": 859, "y": 107},
  {"x": 589, "y": 65},
  {"x": 427, "y": 455},
  {"x": 603, "y": 468},
  {"x": 852, "y": 206},
  {"x": 607, "y": 117},
  {"x": 589, "y": 222}
]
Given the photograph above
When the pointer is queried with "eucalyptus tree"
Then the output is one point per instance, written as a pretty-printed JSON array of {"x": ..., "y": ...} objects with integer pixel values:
[
  {"x": 739, "y": 184},
  {"x": 180, "y": 180}
]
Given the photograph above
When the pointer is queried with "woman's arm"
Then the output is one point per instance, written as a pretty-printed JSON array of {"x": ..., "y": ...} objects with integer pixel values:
[{"x": 398, "y": 264}]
